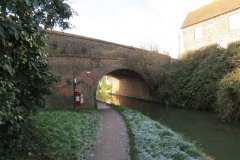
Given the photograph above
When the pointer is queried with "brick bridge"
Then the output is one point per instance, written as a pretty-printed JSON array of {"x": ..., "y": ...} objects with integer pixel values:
[{"x": 90, "y": 59}]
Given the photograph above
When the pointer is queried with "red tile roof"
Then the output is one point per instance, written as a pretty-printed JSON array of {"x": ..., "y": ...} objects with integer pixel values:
[{"x": 210, "y": 11}]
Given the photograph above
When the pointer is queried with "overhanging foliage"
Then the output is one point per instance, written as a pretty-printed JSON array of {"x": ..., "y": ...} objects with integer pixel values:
[
  {"x": 193, "y": 80},
  {"x": 24, "y": 74}
]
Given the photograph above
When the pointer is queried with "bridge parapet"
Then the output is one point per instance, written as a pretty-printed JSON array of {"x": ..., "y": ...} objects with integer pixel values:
[{"x": 68, "y": 44}]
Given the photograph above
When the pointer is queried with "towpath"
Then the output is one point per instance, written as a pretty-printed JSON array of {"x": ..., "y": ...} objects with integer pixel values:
[{"x": 112, "y": 140}]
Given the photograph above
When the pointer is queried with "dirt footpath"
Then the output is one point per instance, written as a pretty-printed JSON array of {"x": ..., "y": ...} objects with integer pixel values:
[{"x": 112, "y": 139}]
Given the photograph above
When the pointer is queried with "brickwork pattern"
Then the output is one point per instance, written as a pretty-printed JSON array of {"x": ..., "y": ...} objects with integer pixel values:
[
  {"x": 130, "y": 86},
  {"x": 99, "y": 58}
]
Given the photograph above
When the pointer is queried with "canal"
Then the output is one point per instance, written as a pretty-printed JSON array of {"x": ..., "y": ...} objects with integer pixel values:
[{"x": 220, "y": 140}]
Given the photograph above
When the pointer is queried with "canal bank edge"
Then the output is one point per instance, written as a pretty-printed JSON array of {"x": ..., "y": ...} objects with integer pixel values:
[{"x": 151, "y": 140}]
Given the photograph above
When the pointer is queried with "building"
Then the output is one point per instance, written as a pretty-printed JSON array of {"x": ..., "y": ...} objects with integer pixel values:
[{"x": 217, "y": 22}]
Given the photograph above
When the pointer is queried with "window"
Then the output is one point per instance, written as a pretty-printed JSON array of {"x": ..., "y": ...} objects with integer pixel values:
[
  {"x": 198, "y": 32},
  {"x": 234, "y": 21}
]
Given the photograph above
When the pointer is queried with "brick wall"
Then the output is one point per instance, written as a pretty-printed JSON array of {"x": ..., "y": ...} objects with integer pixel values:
[
  {"x": 76, "y": 55},
  {"x": 132, "y": 85},
  {"x": 215, "y": 30},
  {"x": 63, "y": 66}
]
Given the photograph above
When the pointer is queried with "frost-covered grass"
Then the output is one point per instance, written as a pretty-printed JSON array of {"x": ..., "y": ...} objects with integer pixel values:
[
  {"x": 149, "y": 140},
  {"x": 66, "y": 134}
]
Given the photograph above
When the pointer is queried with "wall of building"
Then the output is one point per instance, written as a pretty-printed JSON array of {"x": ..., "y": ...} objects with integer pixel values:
[{"x": 215, "y": 30}]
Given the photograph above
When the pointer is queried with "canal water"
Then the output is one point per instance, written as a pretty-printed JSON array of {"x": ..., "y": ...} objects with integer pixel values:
[{"x": 220, "y": 140}]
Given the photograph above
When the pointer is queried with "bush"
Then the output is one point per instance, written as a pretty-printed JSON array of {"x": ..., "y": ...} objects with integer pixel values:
[
  {"x": 228, "y": 97},
  {"x": 24, "y": 73},
  {"x": 233, "y": 52},
  {"x": 200, "y": 78},
  {"x": 194, "y": 77}
]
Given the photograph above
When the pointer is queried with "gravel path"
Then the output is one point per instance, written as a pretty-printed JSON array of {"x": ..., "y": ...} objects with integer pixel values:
[{"x": 112, "y": 140}]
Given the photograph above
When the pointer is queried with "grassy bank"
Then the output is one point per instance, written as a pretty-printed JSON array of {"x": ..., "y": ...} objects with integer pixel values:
[
  {"x": 68, "y": 135},
  {"x": 149, "y": 140},
  {"x": 61, "y": 135}
]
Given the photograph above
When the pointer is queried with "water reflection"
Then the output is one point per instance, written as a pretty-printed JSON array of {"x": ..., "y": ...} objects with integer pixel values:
[{"x": 219, "y": 139}]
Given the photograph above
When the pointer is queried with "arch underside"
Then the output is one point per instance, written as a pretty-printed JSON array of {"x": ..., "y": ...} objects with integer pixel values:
[{"x": 127, "y": 83}]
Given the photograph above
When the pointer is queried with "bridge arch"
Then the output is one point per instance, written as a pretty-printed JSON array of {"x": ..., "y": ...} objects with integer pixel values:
[
  {"x": 134, "y": 81},
  {"x": 77, "y": 56}
]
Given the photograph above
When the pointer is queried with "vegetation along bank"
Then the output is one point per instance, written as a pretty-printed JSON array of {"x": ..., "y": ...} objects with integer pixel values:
[
  {"x": 206, "y": 79},
  {"x": 150, "y": 140},
  {"x": 25, "y": 78},
  {"x": 58, "y": 134}
]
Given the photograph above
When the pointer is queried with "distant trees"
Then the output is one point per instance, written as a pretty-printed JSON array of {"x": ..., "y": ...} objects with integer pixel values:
[
  {"x": 24, "y": 73},
  {"x": 104, "y": 88},
  {"x": 154, "y": 48}
]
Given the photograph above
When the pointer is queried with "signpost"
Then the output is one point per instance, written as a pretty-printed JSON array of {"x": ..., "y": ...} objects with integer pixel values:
[{"x": 74, "y": 92}]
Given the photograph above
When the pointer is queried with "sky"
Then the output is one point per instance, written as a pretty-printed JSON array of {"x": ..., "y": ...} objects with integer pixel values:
[{"x": 148, "y": 24}]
